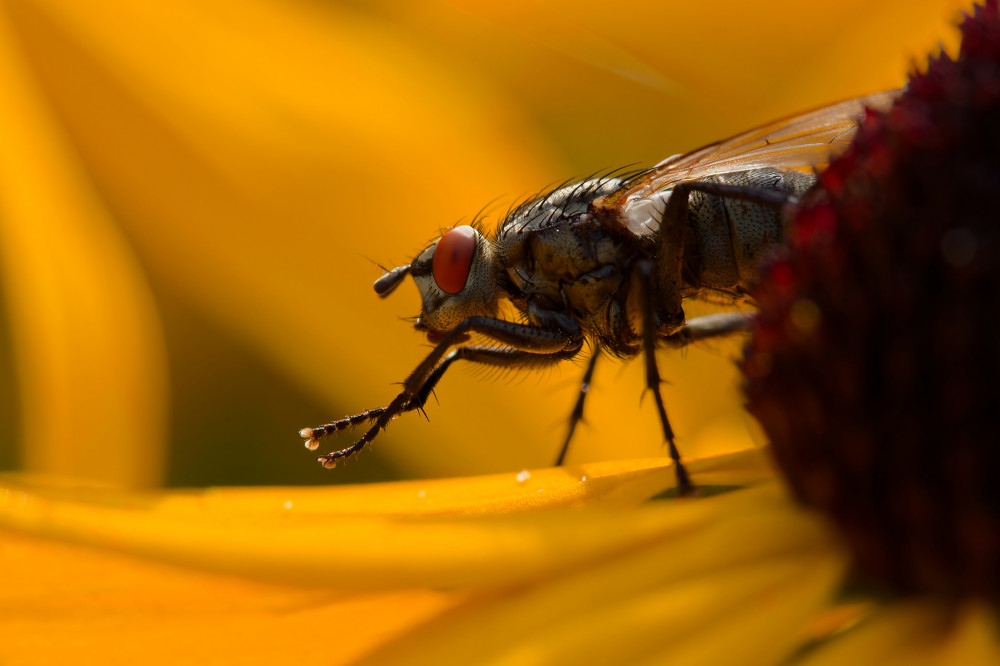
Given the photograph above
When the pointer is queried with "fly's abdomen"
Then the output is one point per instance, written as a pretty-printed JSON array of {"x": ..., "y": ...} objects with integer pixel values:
[{"x": 726, "y": 239}]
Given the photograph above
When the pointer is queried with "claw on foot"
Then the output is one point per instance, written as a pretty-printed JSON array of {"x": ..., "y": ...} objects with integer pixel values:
[{"x": 312, "y": 441}]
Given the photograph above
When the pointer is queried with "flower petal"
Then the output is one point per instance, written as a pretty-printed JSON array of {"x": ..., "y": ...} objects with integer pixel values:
[
  {"x": 531, "y": 585},
  {"x": 678, "y": 598},
  {"x": 916, "y": 631},
  {"x": 308, "y": 545},
  {"x": 260, "y": 155},
  {"x": 975, "y": 638},
  {"x": 88, "y": 346},
  {"x": 615, "y": 483},
  {"x": 66, "y": 604}
]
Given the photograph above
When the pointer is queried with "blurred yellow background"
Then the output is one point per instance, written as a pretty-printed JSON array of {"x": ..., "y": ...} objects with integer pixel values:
[{"x": 194, "y": 197}]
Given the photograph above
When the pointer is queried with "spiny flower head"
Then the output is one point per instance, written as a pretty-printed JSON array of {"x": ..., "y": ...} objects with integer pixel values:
[{"x": 875, "y": 365}]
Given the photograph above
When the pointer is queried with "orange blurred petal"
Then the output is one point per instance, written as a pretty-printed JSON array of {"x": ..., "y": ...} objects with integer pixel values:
[
  {"x": 975, "y": 637},
  {"x": 64, "y": 604},
  {"x": 610, "y": 484},
  {"x": 261, "y": 154},
  {"x": 297, "y": 575},
  {"x": 916, "y": 631},
  {"x": 320, "y": 537},
  {"x": 88, "y": 347},
  {"x": 739, "y": 583}
]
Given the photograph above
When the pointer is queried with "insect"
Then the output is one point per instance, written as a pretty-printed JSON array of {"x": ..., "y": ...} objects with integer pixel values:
[{"x": 611, "y": 260}]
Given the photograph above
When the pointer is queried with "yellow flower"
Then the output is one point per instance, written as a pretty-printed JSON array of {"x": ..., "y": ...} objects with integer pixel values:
[
  {"x": 489, "y": 570},
  {"x": 190, "y": 195}
]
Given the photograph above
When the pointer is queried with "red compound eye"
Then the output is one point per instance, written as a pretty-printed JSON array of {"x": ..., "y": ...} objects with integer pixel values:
[{"x": 453, "y": 258}]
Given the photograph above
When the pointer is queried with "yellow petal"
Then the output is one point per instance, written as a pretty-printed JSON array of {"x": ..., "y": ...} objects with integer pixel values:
[
  {"x": 691, "y": 73},
  {"x": 616, "y": 483},
  {"x": 552, "y": 583},
  {"x": 975, "y": 636},
  {"x": 66, "y": 604},
  {"x": 260, "y": 155},
  {"x": 680, "y": 596},
  {"x": 385, "y": 548},
  {"x": 87, "y": 341},
  {"x": 916, "y": 631}
]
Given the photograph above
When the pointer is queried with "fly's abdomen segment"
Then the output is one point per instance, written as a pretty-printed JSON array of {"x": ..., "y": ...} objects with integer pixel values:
[{"x": 726, "y": 238}]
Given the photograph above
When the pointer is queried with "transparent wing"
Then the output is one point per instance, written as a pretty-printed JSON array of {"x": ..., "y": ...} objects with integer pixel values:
[{"x": 805, "y": 140}]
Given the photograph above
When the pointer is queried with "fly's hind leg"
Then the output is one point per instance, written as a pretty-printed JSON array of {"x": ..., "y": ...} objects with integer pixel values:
[
  {"x": 661, "y": 286},
  {"x": 699, "y": 328},
  {"x": 670, "y": 242},
  {"x": 644, "y": 270},
  {"x": 710, "y": 326}
]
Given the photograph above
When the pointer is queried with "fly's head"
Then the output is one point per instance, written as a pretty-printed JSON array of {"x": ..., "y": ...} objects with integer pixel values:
[{"x": 456, "y": 277}]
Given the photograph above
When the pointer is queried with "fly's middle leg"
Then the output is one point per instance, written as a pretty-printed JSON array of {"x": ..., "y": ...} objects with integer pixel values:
[
  {"x": 695, "y": 330},
  {"x": 577, "y": 414}
]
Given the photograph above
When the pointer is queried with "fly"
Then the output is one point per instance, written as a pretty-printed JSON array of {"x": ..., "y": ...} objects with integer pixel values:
[{"x": 611, "y": 260}]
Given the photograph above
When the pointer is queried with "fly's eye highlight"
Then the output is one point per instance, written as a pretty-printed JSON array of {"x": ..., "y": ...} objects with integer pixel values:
[{"x": 453, "y": 259}]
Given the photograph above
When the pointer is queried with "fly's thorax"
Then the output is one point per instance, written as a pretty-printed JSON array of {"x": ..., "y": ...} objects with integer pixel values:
[
  {"x": 558, "y": 206},
  {"x": 456, "y": 278},
  {"x": 569, "y": 274},
  {"x": 553, "y": 239}
]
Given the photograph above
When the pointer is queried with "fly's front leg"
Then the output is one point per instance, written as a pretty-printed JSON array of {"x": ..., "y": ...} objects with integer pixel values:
[
  {"x": 313, "y": 435},
  {"x": 517, "y": 336},
  {"x": 525, "y": 342},
  {"x": 502, "y": 357}
]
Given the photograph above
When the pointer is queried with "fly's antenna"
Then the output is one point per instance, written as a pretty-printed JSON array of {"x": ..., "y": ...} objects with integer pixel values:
[{"x": 388, "y": 282}]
